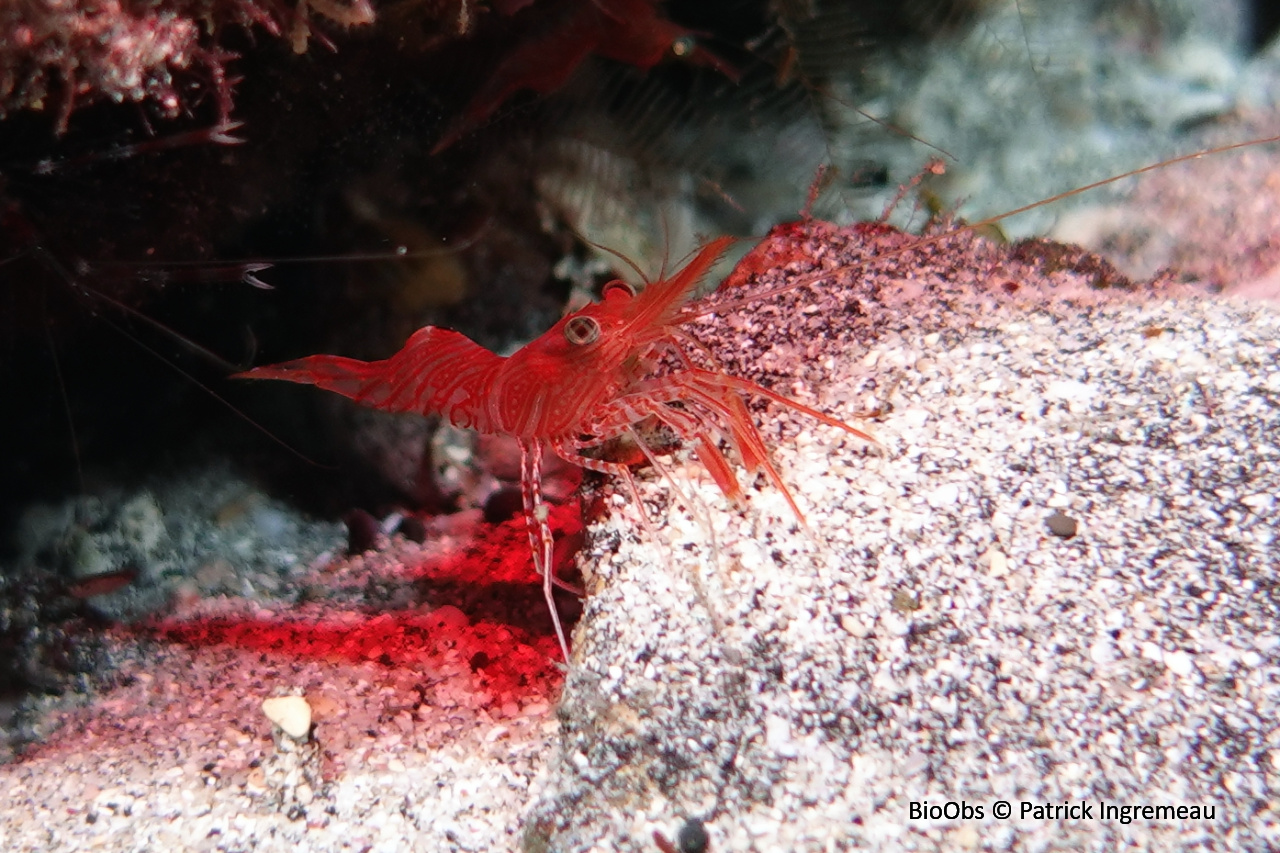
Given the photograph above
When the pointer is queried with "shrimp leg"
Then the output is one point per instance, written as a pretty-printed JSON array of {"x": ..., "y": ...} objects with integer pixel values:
[{"x": 541, "y": 541}]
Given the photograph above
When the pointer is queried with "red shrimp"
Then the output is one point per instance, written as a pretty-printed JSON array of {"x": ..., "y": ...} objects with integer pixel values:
[
  {"x": 586, "y": 381},
  {"x": 557, "y": 37}
]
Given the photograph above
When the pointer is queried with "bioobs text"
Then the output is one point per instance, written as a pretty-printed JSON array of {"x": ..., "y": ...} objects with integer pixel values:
[{"x": 950, "y": 810}]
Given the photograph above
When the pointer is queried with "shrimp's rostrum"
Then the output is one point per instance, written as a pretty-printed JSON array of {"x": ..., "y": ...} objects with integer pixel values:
[{"x": 588, "y": 380}]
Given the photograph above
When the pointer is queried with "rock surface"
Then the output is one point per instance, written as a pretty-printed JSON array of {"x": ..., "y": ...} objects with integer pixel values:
[{"x": 931, "y": 640}]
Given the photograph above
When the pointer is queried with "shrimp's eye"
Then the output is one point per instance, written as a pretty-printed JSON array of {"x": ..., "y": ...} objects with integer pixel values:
[
  {"x": 618, "y": 289},
  {"x": 581, "y": 331}
]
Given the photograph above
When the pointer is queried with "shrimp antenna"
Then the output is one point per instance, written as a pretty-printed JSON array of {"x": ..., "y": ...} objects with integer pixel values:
[
  {"x": 1151, "y": 167},
  {"x": 666, "y": 241},
  {"x": 245, "y": 269},
  {"x": 790, "y": 69},
  {"x": 215, "y": 395},
  {"x": 923, "y": 242},
  {"x": 619, "y": 255},
  {"x": 54, "y": 264},
  {"x": 174, "y": 335},
  {"x": 62, "y": 394}
]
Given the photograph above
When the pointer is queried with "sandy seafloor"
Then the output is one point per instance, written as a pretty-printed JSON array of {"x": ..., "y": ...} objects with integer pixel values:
[{"x": 930, "y": 638}]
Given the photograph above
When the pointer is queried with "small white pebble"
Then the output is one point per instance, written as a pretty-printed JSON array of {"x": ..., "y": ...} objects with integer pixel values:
[
  {"x": 1259, "y": 503},
  {"x": 1179, "y": 663},
  {"x": 1069, "y": 389},
  {"x": 945, "y": 495},
  {"x": 777, "y": 735},
  {"x": 1102, "y": 651},
  {"x": 292, "y": 714},
  {"x": 855, "y": 626},
  {"x": 894, "y": 624},
  {"x": 997, "y": 562},
  {"x": 914, "y": 418}
]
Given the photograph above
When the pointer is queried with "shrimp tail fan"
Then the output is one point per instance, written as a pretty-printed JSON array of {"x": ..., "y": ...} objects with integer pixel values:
[
  {"x": 435, "y": 366},
  {"x": 350, "y": 377}
]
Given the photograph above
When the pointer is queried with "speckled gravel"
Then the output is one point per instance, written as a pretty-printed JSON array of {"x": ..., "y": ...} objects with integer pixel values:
[
  {"x": 183, "y": 758},
  {"x": 932, "y": 639}
]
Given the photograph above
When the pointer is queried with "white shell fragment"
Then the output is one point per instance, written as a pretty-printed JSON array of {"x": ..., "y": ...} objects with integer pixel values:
[{"x": 292, "y": 714}]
